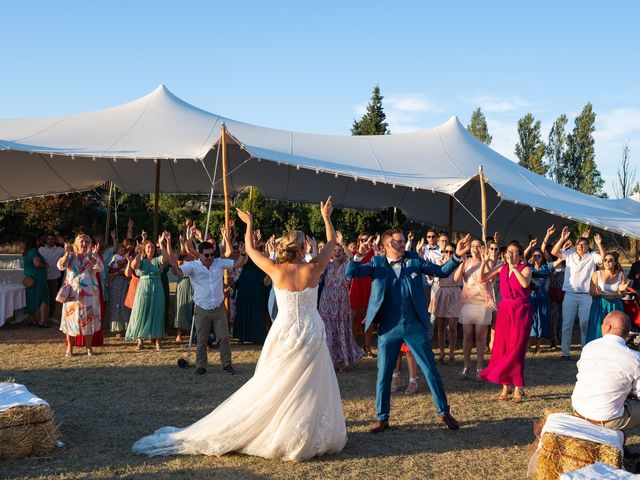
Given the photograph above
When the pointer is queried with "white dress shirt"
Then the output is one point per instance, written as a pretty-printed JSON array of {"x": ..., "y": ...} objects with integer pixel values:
[
  {"x": 608, "y": 371},
  {"x": 207, "y": 283},
  {"x": 578, "y": 271},
  {"x": 51, "y": 256}
]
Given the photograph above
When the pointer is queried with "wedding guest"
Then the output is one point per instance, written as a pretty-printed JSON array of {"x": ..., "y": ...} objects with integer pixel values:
[
  {"x": 580, "y": 265},
  {"x": 359, "y": 295},
  {"x": 444, "y": 306},
  {"x": 513, "y": 322},
  {"x": 118, "y": 285},
  {"x": 147, "y": 315},
  {"x": 634, "y": 273},
  {"x": 476, "y": 306},
  {"x": 37, "y": 292},
  {"x": 51, "y": 254},
  {"x": 206, "y": 275},
  {"x": 81, "y": 314},
  {"x": 251, "y": 295},
  {"x": 607, "y": 286},
  {"x": 184, "y": 291},
  {"x": 336, "y": 313}
]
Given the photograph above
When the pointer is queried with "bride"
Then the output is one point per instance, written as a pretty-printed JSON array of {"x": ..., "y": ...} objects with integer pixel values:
[{"x": 290, "y": 409}]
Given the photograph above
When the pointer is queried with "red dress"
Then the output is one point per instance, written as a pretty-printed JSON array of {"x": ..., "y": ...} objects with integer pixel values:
[
  {"x": 513, "y": 326},
  {"x": 361, "y": 287}
]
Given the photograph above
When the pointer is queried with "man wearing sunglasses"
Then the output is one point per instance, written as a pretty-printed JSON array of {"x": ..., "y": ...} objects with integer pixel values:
[{"x": 206, "y": 276}]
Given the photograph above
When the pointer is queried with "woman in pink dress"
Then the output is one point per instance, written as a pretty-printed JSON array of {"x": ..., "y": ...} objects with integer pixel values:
[
  {"x": 335, "y": 311},
  {"x": 513, "y": 323}
]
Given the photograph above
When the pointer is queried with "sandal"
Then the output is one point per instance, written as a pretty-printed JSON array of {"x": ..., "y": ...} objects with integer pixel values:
[
  {"x": 89, "y": 352},
  {"x": 68, "y": 354},
  {"x": 503, "y": 397},
  {"x": 369, "y": 353},
  {"x": 412, "y": 388}
]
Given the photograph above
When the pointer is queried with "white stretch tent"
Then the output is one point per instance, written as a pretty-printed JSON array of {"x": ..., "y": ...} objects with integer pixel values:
[{"x": 416, "y": 172}]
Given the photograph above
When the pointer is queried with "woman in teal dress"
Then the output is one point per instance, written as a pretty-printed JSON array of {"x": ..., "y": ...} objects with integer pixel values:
[
  {"x": 607, "y": 285},
  {"x": 147, "y": 315},
  {"x": 35, "y": 266}
]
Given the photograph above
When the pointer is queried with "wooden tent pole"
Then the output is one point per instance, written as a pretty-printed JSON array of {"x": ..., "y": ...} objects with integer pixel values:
[
  {"x": 108, "y": 223},
  {"x": 225, "y": 186},
  {"x": 483, "y": 200},
  {"x": 155, "y": 202}
]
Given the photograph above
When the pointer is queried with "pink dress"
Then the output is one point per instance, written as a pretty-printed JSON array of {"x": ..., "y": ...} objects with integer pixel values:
[
  {"x": 335, "y": 311},
  {"x": 513, "y": 325}
]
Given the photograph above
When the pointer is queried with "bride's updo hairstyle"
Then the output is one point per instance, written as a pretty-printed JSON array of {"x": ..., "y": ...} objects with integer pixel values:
[{"x": 289, "y": 246}]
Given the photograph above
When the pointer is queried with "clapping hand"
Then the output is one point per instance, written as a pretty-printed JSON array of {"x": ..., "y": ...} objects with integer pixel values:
[
  {"x": 463, "y": 246},
  {"x": 326, "y": 208}
]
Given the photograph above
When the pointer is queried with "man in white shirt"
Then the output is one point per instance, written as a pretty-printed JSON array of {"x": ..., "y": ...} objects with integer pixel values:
[
  {"x": 608, "y": 377},
  {"x": 206, "y": 275},
  {"x": 52, "y": 253},
  {"x": 580, "y": 265}
]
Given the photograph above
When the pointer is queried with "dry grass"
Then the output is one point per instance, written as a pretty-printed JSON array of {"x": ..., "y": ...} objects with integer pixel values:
[{"x": 104, "y": 403}]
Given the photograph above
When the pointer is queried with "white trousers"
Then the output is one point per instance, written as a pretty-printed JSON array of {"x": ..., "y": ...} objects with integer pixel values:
[{"x": 574, "y": 305}]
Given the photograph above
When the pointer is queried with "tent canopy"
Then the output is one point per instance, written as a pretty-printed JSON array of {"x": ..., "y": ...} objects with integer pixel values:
[{"x": 416, "y": 172}]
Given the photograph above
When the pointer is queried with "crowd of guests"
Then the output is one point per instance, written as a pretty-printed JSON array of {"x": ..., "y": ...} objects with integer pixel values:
[{"x": 505, "y": 297}]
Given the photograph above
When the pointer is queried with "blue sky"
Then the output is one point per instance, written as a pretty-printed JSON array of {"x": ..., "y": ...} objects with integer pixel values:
[{"x": 311, "y": 66}]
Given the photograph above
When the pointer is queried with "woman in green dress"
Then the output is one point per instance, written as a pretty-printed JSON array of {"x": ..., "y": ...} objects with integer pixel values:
[
  {"x": 147, "y": 315},
  {"x": 251, "y": 305},
  {"x": 35, "y": 266}
]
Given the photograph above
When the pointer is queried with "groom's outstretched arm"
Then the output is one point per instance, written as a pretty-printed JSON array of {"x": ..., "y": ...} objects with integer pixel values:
[{"x": 356, "y": 269}]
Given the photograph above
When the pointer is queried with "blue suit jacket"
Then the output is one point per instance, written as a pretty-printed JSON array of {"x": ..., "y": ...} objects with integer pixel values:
[{"x": 413, "y": 267}]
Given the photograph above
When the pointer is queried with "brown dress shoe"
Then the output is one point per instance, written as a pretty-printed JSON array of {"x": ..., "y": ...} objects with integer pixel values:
[
  {"x": 380, "y": 426},
  {"x": 450, "y": 422}
]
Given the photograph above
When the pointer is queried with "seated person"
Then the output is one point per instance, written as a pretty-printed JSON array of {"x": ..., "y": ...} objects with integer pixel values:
[{"x": 608, "y": 378}]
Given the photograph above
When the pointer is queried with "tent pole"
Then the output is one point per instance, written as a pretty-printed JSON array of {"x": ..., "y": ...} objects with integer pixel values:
[
  {"x": 483, "y": 200},
  {"x": 206, "y": 228},
  {"x": 108, "y": 223},
  {"x": 223, "y": 141},
  {"x": 155, "y": 202},
  {"x": 451, "y": 218}
]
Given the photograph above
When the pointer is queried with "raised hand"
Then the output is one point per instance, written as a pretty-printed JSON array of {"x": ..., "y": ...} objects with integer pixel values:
[
  {"x": 484, "y": 254},
  {"x": 463, "y": 246},
  {"x": 533, "y": 242},
  {"x": 567, "y": 245},
  {"x": 508, "y": 257},
  {"x": 246, "y": 217},
  {"x": 587, "y": 232},
  {"x": 551, "y": 230},
  {"x": 339, "y": 237},
  {"x": 326, "y": 208},
  {"x": 420, "y": 245},
  {"x": 598, "y": 239},
  {"x": 68, "y": 248},
  {"x": 130, "y": 223},
  {"x": 496, "y": 237},
  {"x": 144, "y": 235},
  {"x": 566, "y": 231},
  {"x": 161, "y": 239},
  {"x": 363, "y": 248},
  {"x": 410, "y": 236}
]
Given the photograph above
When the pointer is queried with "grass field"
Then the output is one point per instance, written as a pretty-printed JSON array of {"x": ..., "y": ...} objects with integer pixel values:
[{"x": 104, "y": 403}]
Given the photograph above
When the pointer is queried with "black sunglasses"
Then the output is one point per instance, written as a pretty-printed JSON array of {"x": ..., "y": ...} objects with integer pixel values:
[
  {"x": 207, "y": 255},
  {"x": 449, "y": 251}
]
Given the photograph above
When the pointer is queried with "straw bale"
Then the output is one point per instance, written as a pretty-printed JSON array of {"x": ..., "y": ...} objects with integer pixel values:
[
  {"x": 26, "y": 430},
  {"x": 562, "y": 453}
]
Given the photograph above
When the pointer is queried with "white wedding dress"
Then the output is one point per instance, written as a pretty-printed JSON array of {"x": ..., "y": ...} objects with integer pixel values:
[{"x": 290, "y": 409}]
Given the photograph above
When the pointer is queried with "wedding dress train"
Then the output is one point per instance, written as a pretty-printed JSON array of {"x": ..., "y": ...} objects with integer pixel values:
[{"x": 290, "y": 409}]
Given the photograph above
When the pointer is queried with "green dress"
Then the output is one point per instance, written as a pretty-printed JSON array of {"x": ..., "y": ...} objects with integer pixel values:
[
  {"x": 184, "y": 304},
  {"x": 251, "y": 305},
  {"x": 39, "y": 293},
  {"x": 147, "y": 315}
]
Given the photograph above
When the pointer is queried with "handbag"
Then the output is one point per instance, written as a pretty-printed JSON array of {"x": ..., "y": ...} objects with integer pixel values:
[
  {"x": 28, "y": 282},
  {"x": 66, "y": 294}
]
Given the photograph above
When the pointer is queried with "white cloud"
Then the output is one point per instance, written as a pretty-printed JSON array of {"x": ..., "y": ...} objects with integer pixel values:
[
  {"x": 618, "y": 125},
  {"x": 495, "y": 104},
  {"x": 405, "y": 111},
  {"x": 505, "y": 137},
  {"x": 410, "y": 102}
]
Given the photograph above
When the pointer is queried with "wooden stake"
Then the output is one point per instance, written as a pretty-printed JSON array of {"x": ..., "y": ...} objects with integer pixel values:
[
  {"x": 223, "y": 141},
  {"x": 483, "y": 203}
]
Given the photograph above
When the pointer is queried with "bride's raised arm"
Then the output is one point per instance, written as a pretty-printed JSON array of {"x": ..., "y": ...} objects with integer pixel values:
[
  {"x": 324, "y": 257},
  {"x": 264, "y": 263}
]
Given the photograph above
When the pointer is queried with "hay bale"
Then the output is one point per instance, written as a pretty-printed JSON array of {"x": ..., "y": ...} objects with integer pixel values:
[
  {"x": 561, "y": 453},
  {"x": 26, "y": 430}
]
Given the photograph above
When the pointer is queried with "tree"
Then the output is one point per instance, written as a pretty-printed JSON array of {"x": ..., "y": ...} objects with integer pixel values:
[
  {"x": 478, "y": 127},
  {"x": 555, "y": 150},
  {"x": 530, "y": 149},
  {"x": 626, "y": 175},
  {"x": 580, "y": 167},
  {"x": 373, "y": 121}
]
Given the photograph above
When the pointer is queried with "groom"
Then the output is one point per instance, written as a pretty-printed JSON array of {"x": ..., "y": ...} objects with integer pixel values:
[{"x": 398, "y": 304}]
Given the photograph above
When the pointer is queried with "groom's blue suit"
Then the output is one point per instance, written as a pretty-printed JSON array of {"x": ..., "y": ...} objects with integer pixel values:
[{"x": 399, "y": 305}]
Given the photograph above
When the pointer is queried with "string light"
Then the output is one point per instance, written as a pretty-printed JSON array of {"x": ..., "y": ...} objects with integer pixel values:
[
  {"x": 297, "y": 167},
  {"x": 175, "y": 160},
  {"x": 413, "y": 189},
  {"x": 317, "y": 172},
  {"x": 155, "y": 160},
  {"x": 336, "y": 175},
  {"x": 374, "y": 182},
  {"x": 393, "y": 186}
]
